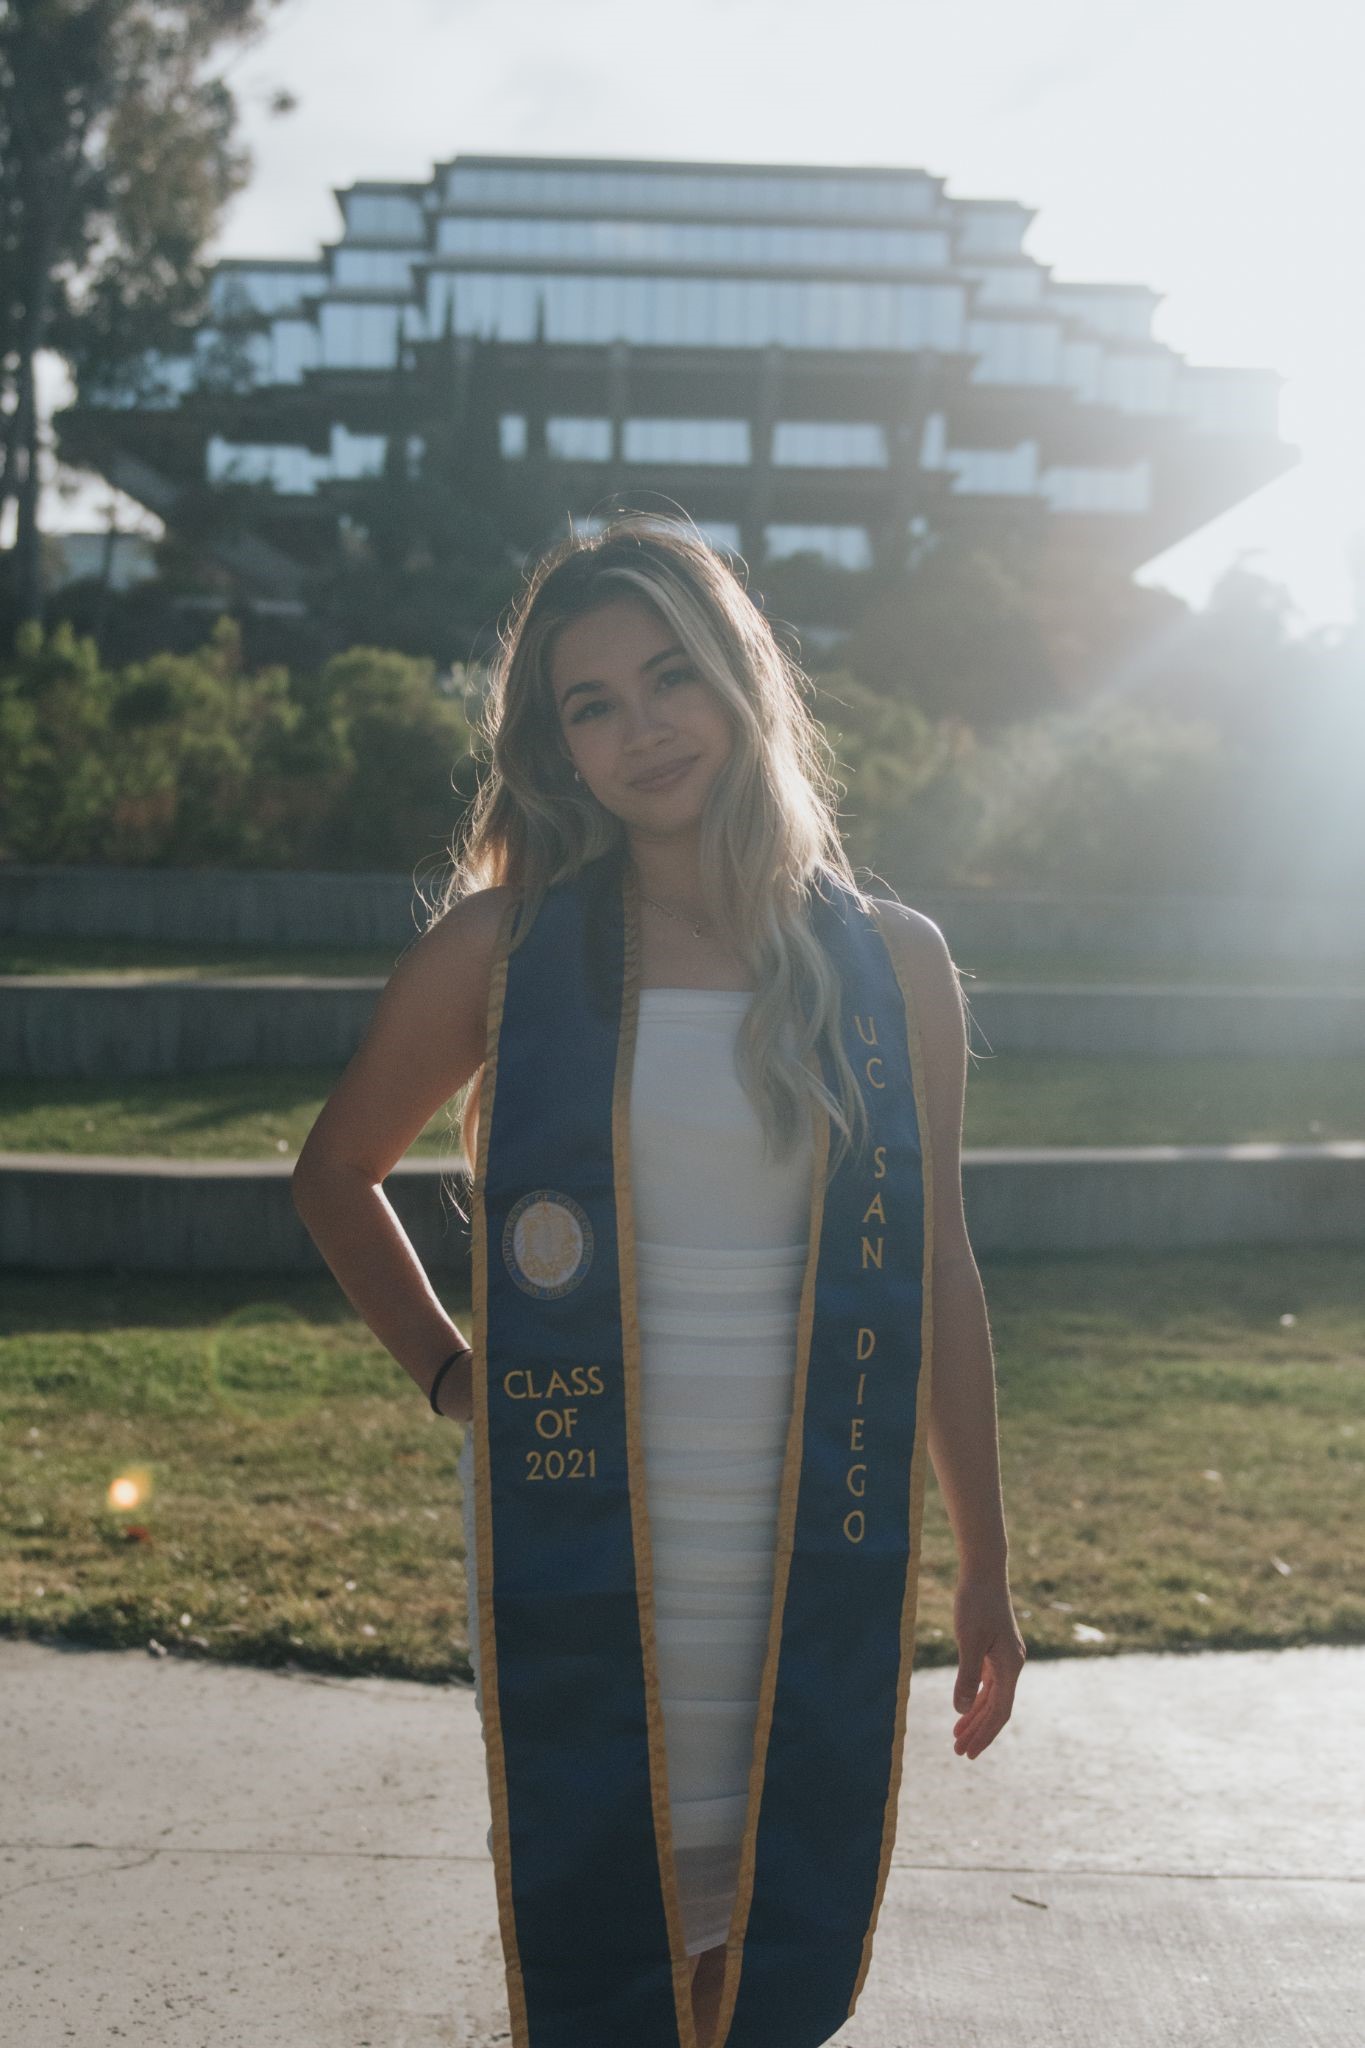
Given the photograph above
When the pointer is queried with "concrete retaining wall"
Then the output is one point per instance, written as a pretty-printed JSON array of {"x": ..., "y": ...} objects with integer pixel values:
[
  {"x": 1212, "y": 928},
  {"x": 74, "y": 1213},
  {"x": 71, "y": 1214},
  {"x": 1302, "y": 1023},
  {"x": 300, "y": 908},
  {"x": 208, "y": 906},
  {"x": 100, "y": 1027}
]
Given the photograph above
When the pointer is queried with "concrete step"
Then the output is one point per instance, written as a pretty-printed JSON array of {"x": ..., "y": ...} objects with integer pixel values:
[
  {"x": 108, "y": 1026},
  {"x": 68, "y": 1212},
  {"x": 308, "y": 907}
]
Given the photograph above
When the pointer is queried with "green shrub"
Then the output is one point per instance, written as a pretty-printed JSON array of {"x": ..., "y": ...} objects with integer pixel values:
[{"x": 188, "y": 761}]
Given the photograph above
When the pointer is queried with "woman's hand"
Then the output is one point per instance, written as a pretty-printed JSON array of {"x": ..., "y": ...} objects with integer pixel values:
[{"x": 987, "y": 1634}]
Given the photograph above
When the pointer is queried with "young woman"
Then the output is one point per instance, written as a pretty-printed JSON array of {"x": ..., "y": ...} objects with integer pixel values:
[{"x": 715, "y": 1114}]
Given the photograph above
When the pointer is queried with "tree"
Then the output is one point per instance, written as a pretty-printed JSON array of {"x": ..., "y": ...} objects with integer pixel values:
[
  {"x": 960, "y": 637},
  {"x": 116, "y": 162}
]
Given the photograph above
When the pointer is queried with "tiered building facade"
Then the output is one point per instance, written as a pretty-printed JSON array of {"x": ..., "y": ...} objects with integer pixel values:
[{"x": 822, "y": 359}]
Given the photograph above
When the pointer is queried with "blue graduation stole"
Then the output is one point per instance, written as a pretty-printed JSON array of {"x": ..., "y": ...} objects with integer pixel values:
[{"x": 587, "y": 1886}]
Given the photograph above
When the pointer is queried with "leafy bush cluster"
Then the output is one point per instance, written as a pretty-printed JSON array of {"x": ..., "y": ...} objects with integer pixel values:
[{"x": 188, "y": 760}]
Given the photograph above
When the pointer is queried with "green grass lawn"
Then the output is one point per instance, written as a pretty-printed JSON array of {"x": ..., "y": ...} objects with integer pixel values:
[
  {"x": 1012, "y": 1099},
  {"x": 33, "y": 955},
  {"x": 1075, "y": 1099},
  {"x": 1183, "y": 1444}
]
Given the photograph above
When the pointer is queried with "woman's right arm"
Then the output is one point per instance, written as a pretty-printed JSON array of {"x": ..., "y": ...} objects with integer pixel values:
[{"x": 424, "y": 1041}]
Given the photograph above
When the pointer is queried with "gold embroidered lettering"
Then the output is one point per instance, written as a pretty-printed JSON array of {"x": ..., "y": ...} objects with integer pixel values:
[
  {"x": 555, "y": 1421},
  {"x": 575, "y": 1463},
  {"x": 873, "y": 1252},
  {"x": 582, "y": 1379},
  {"x": 869, "y": 1037},
  {"x": 523, "y": 1384},
  {"x": 875, "y": 1061}
]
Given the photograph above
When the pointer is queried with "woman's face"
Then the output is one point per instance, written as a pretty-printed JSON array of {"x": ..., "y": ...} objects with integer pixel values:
[{"x": 644, "y": 729}]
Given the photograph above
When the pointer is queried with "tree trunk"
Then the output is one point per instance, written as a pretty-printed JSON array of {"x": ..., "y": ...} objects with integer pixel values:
[
  {"x": 106, "y": 580},
  {"x": 28, "y": 583},
  {"x": 7, "y": 430}
]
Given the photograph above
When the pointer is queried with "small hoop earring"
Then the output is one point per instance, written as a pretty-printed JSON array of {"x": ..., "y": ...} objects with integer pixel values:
[{"x": 576, "y": 776}]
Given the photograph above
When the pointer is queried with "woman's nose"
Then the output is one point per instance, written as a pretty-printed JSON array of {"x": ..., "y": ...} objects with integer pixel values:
[{"x": 646, "y": 718}]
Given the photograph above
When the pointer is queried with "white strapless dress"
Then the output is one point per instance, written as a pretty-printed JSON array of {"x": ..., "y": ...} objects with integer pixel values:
[{"x": 721, "y": 1245}]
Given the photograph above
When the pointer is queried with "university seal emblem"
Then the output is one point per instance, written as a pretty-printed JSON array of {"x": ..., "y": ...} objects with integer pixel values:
[{"x": 547, "y": 1243}]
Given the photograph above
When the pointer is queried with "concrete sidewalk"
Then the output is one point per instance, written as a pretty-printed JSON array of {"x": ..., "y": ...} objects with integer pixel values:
[{"x": 1157, "y": 1852}]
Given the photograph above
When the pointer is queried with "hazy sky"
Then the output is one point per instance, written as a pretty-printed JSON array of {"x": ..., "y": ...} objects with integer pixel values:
[{"x": 1208, "y": 148}]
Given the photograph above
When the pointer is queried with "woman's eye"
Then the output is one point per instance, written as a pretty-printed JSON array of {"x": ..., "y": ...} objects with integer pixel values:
[
  {"x": 586, "y": 711},
  {"x": 679, "y": 675}
]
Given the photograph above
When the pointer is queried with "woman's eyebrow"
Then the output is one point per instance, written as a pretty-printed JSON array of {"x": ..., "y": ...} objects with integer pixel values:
[{"x": 665, "y": 654}]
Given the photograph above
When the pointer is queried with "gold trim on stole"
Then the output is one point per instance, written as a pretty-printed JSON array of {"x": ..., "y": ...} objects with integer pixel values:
[
  {"x": 782, "y": 1557},
  {"x": 635, "y": 1458},
  {"x": 894, "y": 938},
  {"x": 483, "y": 1492}
]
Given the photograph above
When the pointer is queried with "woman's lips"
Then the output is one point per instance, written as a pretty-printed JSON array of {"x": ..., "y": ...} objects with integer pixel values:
[{"x": 665, "y": 777}]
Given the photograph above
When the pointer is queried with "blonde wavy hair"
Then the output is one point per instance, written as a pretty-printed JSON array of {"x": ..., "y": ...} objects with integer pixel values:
[{"x": 768, "y": 828}]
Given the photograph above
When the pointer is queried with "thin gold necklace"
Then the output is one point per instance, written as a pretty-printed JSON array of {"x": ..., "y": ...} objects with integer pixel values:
[{"x": 693, "y": 924}]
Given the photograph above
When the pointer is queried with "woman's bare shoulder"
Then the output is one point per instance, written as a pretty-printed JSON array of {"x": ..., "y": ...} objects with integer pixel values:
[
  {"x": 455, "y": 950},
  {"x": 475, "y": 917}
]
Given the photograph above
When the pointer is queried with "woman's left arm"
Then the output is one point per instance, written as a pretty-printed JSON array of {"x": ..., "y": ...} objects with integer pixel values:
[{"x": 963, "y": 1430}]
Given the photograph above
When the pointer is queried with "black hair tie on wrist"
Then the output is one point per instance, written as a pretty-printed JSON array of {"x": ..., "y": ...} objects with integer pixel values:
[{"x": 465, "y": 1351}]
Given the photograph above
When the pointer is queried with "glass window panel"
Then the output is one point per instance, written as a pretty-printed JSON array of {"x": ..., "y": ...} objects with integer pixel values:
[
  {"x": 516, "y": 304},
  {"x": 290, "y": 470},
  {"x": 830, "y": 444},
  {"x": 356, "y": 455},
  {"x": 947, "y": 313},
  {"x": 686, "y": 440},
  {"x": 848, "y": 546},
  {"x": 295, "y": 344},
  {"x": 701, "y": 312},
  {"x": 384, "y": 217},
  {"x": 721, "y": 533},
  {"x": 264, "y": 291},
  {"x": 578, "y": 440},
  {"x": 1098, "y": 490},
  {"x": 824, "y": 195},
  {"x": 696, "y": 241},
  {"x": 994, "y": 472},
  {"x": 576, "y": 312}
]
